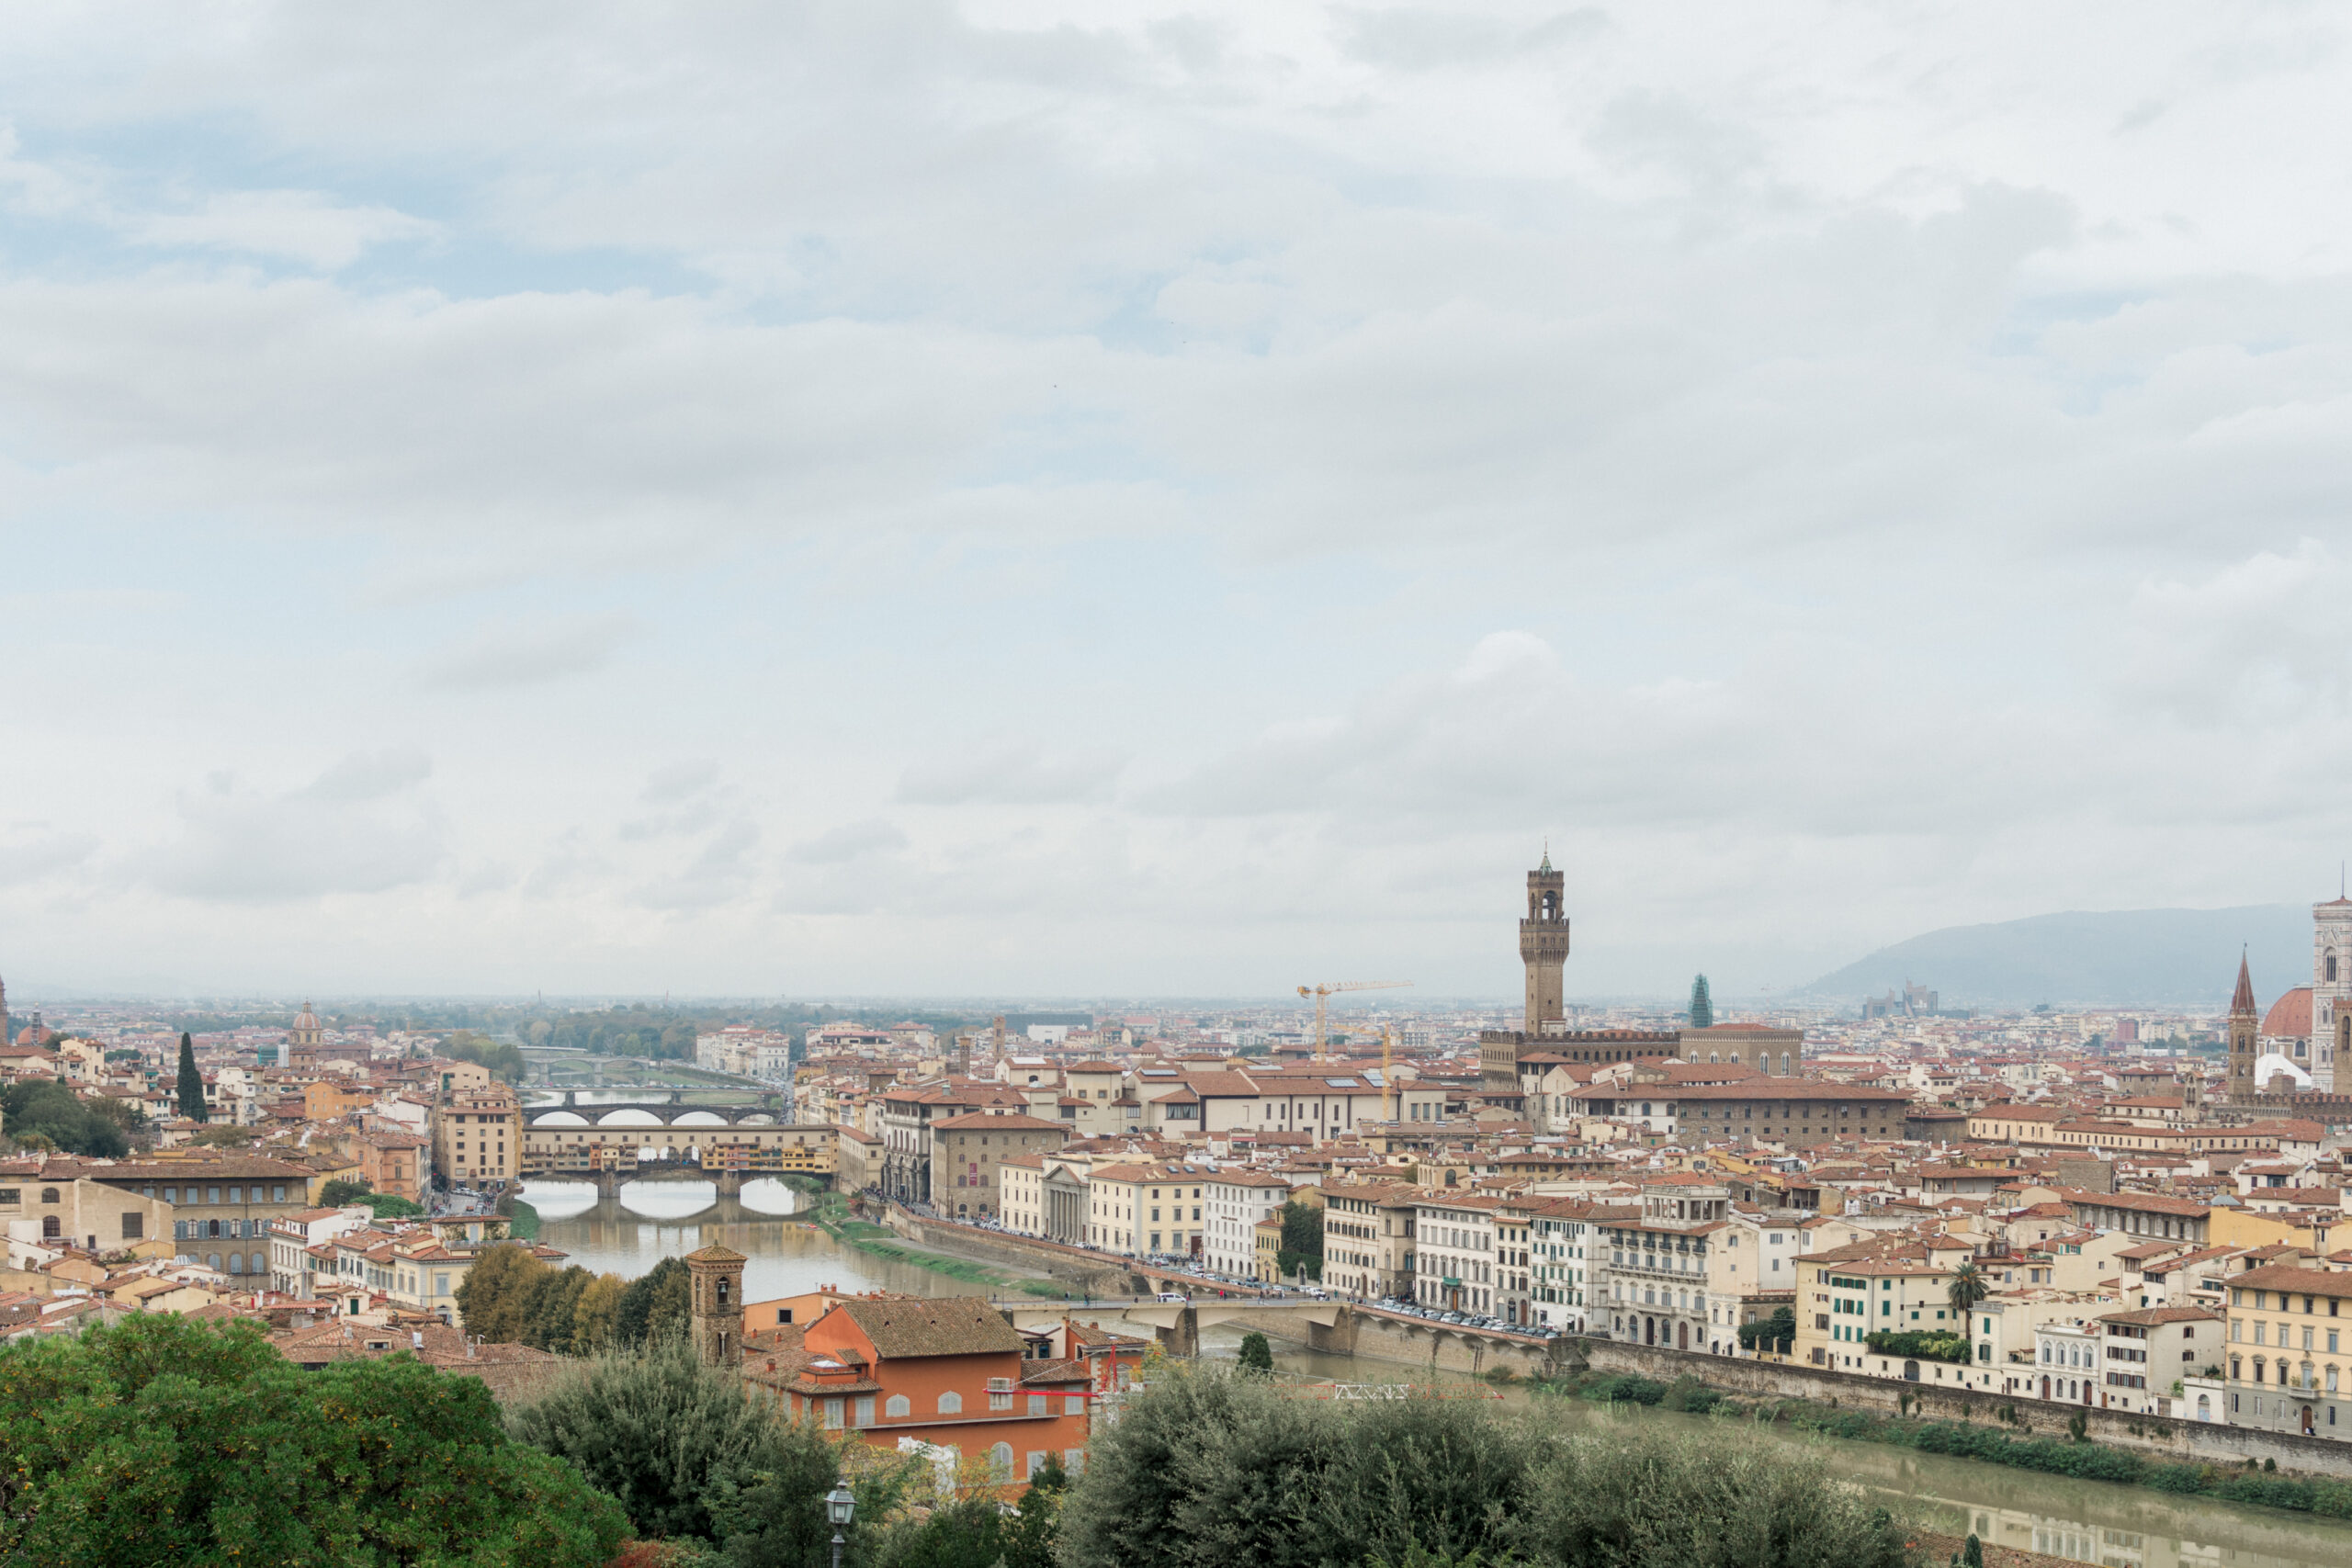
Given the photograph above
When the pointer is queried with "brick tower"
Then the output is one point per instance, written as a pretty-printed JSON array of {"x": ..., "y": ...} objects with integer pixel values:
[
  {"x": 1544, "y": 944},
  {"x": 2244, "y": 1023},
  {"x": 716, "y": 1304}
]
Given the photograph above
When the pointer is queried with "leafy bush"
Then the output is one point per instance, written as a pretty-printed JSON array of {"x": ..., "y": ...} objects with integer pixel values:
[
  {"x": 1213, "y": 1468},
  {"x": 1624, "y": 1388},
  {"x": 667, "y": 1436},
  {"x": 163, "y": 1441},
  {"x": 1691, "y": 1395},
  {"x": 1919, "y": 1345}
]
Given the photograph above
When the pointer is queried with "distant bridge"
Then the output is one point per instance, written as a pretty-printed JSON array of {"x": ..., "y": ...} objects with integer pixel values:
[{"x": 673, "y": 1111}]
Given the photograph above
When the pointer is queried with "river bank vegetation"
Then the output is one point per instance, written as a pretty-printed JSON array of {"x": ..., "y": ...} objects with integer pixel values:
[{"x": 2003, "y": 1441}]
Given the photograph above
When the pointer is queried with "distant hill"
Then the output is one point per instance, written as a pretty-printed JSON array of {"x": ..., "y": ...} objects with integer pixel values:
[{"x": 2158, "y": 957}]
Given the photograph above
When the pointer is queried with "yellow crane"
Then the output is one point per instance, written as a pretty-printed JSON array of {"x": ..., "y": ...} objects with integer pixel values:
[{"x": 1332, "y": 990}]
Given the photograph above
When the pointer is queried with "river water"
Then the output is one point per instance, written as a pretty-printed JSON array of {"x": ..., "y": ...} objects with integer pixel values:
[{"x": 2126, "y": 1527}]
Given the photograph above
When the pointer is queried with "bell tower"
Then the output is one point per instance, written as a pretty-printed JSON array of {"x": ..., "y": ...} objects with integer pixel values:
[
  {"x": 1544, "y": 944},
  {"x": 716, "y": 1298},
  {"x": 2244, "y": 1023}
]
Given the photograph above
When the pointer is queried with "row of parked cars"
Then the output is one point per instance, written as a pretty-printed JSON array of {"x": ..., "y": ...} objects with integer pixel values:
[{"x": 1461, "y": 1319}]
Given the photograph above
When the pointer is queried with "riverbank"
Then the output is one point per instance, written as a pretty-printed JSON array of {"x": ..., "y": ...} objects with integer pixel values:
[
  {"x": 831, "y": 1212},
  {"x": 2075, "y": 1456}
]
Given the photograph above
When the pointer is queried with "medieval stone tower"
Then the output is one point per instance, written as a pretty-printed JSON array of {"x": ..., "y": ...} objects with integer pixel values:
[
  {"x": 716, "y": 1304},
  {"x": 1543, "y": 945},
  {"x": 2244, "y": 1023}
]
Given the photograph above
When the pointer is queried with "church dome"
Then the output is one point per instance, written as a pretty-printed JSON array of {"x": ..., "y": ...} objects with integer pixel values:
[
  {"x": 305, "y": 1019},
  {"x": 2289, "y": 1017}
]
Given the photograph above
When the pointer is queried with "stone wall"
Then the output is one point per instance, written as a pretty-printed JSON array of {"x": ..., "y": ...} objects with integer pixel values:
[{"x": 2171, "y": 1437}]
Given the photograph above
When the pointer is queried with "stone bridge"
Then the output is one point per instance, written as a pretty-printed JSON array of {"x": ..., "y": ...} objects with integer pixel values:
[{"x": 673, "y": 1111}]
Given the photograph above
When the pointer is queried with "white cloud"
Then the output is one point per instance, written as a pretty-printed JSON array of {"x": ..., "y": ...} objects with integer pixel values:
[
  {"x": 298, "y": 225},
  {"x": 359, "y": 828},
  {"x": 524, "y": 656},
  {"x": 1235, "y": 473}
]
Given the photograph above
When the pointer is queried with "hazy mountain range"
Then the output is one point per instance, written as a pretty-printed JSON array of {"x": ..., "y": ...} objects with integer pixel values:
[{"x": 2179, "y": 957}]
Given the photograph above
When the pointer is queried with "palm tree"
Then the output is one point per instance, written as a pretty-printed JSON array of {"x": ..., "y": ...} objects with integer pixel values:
[{"x": 1965, "y": 1289}]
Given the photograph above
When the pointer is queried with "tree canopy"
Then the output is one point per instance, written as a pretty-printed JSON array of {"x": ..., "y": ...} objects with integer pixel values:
[
  {"x": 166, "y": 1441},
  {"x": 1209, "y": 1469},
  {"x": 49, "y": 1109},
  {"x": 1302, "y": 1244},
  {"x": 513, "y": 1296}
]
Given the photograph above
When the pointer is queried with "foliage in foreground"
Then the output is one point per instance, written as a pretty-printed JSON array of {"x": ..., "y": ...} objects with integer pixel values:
[
  {"x": 692, "y": 1456},
  {"x": 1214, "y": 1468},
  {"x": 162, "y": 1441}
]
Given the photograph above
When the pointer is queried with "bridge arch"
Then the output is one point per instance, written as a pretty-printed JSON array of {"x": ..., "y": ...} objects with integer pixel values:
[{"x": 628, "y": 1117}]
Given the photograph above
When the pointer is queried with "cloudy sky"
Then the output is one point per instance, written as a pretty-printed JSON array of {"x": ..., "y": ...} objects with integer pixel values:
[{"x": 1076, "y": 499}]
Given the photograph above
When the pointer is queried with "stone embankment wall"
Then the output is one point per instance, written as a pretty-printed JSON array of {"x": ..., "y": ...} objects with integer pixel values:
[
  {"x": 1076, "y": 1270},
  {"x": 2182, "y": 1441}
]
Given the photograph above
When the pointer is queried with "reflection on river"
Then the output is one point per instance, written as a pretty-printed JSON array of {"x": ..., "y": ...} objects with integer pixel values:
[
  {"x": 2093, "y": 1521},
  {"x": 653, "y": 1220}
]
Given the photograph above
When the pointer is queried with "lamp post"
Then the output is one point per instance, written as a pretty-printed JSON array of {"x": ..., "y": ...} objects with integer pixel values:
[{"x": 839, "y": 1507}]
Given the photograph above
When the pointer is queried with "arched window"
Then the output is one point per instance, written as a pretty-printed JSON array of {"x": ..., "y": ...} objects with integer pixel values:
[
  {"x": 212, "y": 1260},
  {"x": 951, "y": 1404},
  {"x": 51, "y": 1227},
  {"x": 1001, "y": 1463},
  {"x": 2331, "y": 967},
  {"x": 49, "y": 1194},
  {"x": 898, "y": 1404},
  {"x": 236, "y": 1263}
]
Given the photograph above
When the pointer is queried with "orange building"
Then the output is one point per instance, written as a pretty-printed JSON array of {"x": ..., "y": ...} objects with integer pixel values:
[
  {"x": 327, "y": 1098},
  {"x": 948, "y": 1371},
  {"x": 395, "y": 1163}
]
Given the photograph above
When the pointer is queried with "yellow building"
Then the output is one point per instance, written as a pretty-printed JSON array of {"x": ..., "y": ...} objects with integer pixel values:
[
  {"x": 2308, "y": 1229},
  {"x": 1270, "y": 1250},
  {"x": 2289, "y": 1349}
]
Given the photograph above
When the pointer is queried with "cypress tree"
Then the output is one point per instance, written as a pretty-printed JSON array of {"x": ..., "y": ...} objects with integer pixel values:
[
  {"x": 1702, "y": 1007},
  {"x": 192, "y": 1084}
]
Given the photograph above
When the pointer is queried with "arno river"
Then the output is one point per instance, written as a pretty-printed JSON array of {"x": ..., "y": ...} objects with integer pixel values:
[{"x": 2126, "y": 1526}]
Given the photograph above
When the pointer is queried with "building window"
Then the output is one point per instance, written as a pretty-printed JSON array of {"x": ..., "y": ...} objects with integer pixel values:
[
  {"x": 133, "y": 1226},
  {"x": 951, "y": 1404}
]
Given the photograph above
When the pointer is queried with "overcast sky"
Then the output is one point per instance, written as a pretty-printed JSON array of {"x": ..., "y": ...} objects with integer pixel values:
[{"x": 1085, "y": 500}]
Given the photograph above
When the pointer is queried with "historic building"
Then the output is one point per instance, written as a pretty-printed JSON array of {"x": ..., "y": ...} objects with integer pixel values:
[
  {"x": 2244, "y": 1027},
  {"x": 1543, "y": 950}
]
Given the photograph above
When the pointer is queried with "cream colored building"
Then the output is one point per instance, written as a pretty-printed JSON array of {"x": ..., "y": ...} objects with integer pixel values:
[{"x": 477, "y": 1136}]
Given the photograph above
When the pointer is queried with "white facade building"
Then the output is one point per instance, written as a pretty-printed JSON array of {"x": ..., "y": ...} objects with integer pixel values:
[{"x": 1235, "y": 1201}]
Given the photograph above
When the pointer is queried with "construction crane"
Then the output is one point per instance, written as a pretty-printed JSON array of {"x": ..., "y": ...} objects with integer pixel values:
[{"x": 1321, "y": 992}]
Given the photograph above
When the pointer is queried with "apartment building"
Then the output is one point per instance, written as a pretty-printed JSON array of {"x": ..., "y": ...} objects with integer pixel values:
[
  {"x": 1145, "y": 1211},
  {"x": 2287, "y": 1344},
  {"x": 1561, "y": 1241},
  {"x": 477, "y": 1136},
  {"x": 1658, "y": 1266},
  {"x": 1846, "y": 1294},
  {"x": 1454, "y": 1264},
  {"x": 1236, "y": 1200},
  {"x": 967, "y": 1154},
  {"x": 1368, "y": 1239}
]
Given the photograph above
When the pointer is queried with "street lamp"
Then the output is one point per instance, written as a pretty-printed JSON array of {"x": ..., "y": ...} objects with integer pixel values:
[{"x": 839, "y": 1507}]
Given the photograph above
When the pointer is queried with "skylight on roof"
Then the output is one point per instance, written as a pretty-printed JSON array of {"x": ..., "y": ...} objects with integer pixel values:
[{"x": 1342, "y": 1083}]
